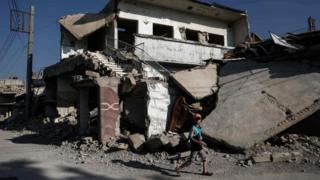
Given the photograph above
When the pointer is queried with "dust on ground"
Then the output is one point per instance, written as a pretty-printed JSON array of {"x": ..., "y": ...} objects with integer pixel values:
[{"x": 117, "y": 155}]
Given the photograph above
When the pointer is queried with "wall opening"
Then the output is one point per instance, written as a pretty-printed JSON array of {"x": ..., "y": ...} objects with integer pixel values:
[
  {"x": 192, "y": 35},
  {"x": 96, "y": 41},
  {"x": 126, "y": 30},
  {"x": 162, "y": 30},
  {"x": 216, "y": 39}
]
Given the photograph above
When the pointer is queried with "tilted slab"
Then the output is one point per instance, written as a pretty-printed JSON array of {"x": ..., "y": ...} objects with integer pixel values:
[
  {"x": 199, "y": 82},
  {"x": 259, "y": 100}
]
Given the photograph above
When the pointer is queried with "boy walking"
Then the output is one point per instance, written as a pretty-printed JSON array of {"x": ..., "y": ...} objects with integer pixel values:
[{"x": 196, "y": 147}]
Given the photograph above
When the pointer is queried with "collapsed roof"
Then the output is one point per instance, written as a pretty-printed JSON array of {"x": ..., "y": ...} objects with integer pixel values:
[
  {"x": 267, "y": 93},
  {"x": 82, "y": 25}
]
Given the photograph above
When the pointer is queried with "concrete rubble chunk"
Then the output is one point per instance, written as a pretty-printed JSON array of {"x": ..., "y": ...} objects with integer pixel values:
[
  {"x": 259, "y": 100},
  {"x": 277, "y": 157},
  {"x": 174, "y": 141},
  {"x": 281, "y": 157},
  {"x": 156, "y": 142},
  {"x": 297, "y": 156},
  {"x": 118, "y": 147},
  {"x": 136, "y": 142},
  {"x": 262, "y": 158}
]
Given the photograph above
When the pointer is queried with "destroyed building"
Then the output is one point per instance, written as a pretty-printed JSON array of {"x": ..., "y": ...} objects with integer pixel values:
[
  {"x": 180, "y": 32},
  {"x": 274, "y": 88},
  {"x": 117, "y": 63},
  {"x": 146, "y": 66},
  {"x": 9, "y": 90}
]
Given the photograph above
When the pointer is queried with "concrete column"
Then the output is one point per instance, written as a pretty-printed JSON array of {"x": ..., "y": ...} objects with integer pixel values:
[
  {"x": 116, "y": 36},
  {"x": 109, "y": 109},
  {"x": 84, "y": 113}
]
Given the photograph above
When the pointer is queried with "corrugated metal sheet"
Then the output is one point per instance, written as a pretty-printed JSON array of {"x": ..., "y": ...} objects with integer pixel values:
[{"x": 281, "y": 42}]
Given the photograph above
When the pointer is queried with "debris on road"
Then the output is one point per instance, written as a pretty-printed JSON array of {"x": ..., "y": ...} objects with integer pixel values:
[{"x": 120, "y": 88}]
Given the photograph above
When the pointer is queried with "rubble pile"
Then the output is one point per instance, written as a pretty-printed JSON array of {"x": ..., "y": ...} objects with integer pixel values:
[
  {"x": 10, "y": 89},
  {"x": 288, "y": 148},
  {"x": 63, "y": 128},
  {"x": 87, "y": 149},
  {"x": 117, "y": 101}
]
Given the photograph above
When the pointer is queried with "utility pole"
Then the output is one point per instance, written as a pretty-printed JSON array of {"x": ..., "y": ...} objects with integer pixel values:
[
  {"x": 29, "y": 64},
  {"x": 311, "y": 24},
  {"x": 17, "y": 24}
]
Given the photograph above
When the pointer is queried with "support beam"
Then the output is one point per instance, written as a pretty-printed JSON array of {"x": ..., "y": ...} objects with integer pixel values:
[{"x": 84, "y": 110}]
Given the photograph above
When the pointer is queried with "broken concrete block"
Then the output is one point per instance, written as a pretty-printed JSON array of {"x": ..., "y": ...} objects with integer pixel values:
[
  {"x": 297, "y": 156},
  {"x": 92, "y": 74},
  {"x": 185, "y": 154},
  {"x": 261, "y": 158},
  {"x": 174, "y": 141},
  {"x": 136, "y": 142},
  {"x": 164, "y": 140},
  {"x": 120, "y": 146},
  {"x": 281, "y": 157}
]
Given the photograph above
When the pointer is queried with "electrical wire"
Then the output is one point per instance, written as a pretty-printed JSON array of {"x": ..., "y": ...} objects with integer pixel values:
[
  {"x": 14, "y": 62},
  {"x": 7, "y": 45}
]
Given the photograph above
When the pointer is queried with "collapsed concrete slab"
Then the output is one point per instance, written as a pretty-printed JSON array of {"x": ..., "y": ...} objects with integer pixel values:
[
  {"x": 259, "y": 100},
  {"x": 81, "y": 25},
  {"x": 198, "y": 82}
]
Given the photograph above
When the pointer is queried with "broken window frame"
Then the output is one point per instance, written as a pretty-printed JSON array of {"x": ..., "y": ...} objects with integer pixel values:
[
  {"x": 121, "y": 29},
  {"x": 165, "y": 28},
  {"x": 192, "y": 35},
  {"x": 212, "y": 39}
]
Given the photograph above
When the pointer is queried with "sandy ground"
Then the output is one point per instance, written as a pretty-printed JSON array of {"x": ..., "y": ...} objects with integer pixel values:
[{"x": 28, "y": 156}]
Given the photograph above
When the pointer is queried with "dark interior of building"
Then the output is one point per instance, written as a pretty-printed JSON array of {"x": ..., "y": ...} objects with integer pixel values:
[
  {"x": 96, "y": 41},
  {"x": 126, "y": 31},
  {"x": 192, "y": 35},
  {"x": 163, "y": 30},
  {"x": 216, "y": 39}
]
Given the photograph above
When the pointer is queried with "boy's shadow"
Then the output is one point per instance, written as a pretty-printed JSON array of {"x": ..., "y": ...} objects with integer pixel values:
[{"x": 139, "y": 165}]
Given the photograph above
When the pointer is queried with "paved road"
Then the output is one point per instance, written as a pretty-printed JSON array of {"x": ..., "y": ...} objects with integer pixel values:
[{"x": 26, "y": 158}]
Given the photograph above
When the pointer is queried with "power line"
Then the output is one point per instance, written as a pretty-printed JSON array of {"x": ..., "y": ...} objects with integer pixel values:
[
  {"x": 7, "y": 45},
  {"x": 11, "y": 36},
  {"x": 14, "y": 61},
  {"x": 15, "y": 4}
]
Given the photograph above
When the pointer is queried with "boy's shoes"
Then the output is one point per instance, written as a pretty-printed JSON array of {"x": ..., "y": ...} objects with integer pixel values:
[
  {"x": 178, "y": 171},
  {"x": 207, "y": 173}
]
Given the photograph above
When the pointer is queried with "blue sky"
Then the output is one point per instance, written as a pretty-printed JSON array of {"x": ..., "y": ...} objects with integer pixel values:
[{"x": 279, "y": 16}]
